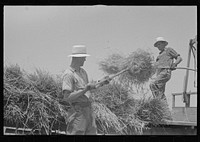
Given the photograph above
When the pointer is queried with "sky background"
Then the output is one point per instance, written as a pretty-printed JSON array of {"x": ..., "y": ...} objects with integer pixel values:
[{"x": 43, "y": 36}]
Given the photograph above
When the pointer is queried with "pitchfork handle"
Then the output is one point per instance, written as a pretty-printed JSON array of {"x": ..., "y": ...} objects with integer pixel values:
[
  {"x": 110, "y": 77},
  {"x": 181, "y": 68}
]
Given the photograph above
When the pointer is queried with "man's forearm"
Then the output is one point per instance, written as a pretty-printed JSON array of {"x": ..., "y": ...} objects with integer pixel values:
[
  {"x": 178, "y": 60},
  {"x": 72, "y": 96}
]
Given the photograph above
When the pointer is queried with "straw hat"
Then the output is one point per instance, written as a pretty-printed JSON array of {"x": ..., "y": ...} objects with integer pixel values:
[
  {"x": 79, "y": 51},
  {"x": 160, "y": 39}
]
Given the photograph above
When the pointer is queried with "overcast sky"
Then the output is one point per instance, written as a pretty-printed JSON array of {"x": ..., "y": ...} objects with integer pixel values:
[{"x": 43, "y": 36}]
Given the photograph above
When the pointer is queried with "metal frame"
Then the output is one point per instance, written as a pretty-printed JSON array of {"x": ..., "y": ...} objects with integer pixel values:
[
  {"x": 186, "y": 96},
  {"x": 179, "y": 94}
]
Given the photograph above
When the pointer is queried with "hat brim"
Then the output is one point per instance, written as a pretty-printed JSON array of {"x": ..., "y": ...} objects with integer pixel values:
[
  {"x": 155, "y": 44},
  {"x": 79, "y": 55}
]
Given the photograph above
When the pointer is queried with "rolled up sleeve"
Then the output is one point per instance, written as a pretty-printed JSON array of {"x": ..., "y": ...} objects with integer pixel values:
[
  {"x": 173, "y": 53},
  {"x": 67, "y": 83}
]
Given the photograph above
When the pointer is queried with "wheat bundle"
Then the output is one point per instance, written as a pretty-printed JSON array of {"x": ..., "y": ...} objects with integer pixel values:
[
  {"x": 107, "y": 119},
  {"x": 45, "y": 83},
  {"x": 143, "y": 68},
  {"x": 112, "y": 64},
  {"x": 139, "y": 64},
  {"x": 13, "y": 82},
  {"x": 107, "y": 99},
  {"x": 26, "y": 102},
  {"x": 117, "y": 99},
  {"x": 153, "y": 110},
  {"x": 136, "y": 114}
]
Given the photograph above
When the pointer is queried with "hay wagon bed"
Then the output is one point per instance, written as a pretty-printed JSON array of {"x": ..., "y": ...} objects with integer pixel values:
[
  {"x": 182, "y": 125},
  {"x": 172, "y": 128}
]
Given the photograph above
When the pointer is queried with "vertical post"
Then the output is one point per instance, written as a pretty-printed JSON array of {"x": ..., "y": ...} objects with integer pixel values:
[
  {"x": 188, "y": 100},
  {"x": 195, "y": 42},
  {"x": 173, "y": 101},
  {"x": 185, "y": 96},
  {"x": 4, "y": 130}
]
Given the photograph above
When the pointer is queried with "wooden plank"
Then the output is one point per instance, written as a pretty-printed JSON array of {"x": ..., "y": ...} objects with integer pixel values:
[
  {"x": 179, "y": 94},
  {"x": 170, "y": 131},
  {"x": 19, "y": 129},
  {"x": 181, "y": 123},
  {"x": 188, "y": 114},
  {"x": 11, "y": 131}
]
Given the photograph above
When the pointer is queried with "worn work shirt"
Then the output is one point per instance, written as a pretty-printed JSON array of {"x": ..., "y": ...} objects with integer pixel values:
[
  {"x": 74, "y": 81},
  {"x": 166, "y": 58}
]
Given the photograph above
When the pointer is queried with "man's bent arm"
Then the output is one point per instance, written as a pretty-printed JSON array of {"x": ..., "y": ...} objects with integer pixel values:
[
  {"x": 71, "y": 96},
  {"x": 178, "y": 60}
]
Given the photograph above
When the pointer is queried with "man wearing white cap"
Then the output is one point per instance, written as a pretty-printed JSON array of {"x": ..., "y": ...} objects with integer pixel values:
[
  {"x": 76, "y": 91},
  {"x": 164, "y": 65}
]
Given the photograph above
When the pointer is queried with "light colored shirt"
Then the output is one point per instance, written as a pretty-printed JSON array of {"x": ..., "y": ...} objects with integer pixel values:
[
  {"x": 80, "y": 116},
  {"x": 166, "y": 58},
  {"x": 73, "y": 80}
]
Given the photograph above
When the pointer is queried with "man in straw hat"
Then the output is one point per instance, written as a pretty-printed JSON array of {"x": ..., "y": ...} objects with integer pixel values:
[
  {"x": 76, "y": 91},
  {"x": 164, "y": 65}
]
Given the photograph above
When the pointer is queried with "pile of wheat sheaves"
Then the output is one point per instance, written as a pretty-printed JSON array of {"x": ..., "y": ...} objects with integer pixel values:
[{"x": 30, "y": 101}]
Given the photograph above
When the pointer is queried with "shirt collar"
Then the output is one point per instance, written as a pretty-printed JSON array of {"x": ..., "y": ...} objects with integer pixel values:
[
  {"x": 73, "y": 69},
  {"x": 162, "y": 51}
]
